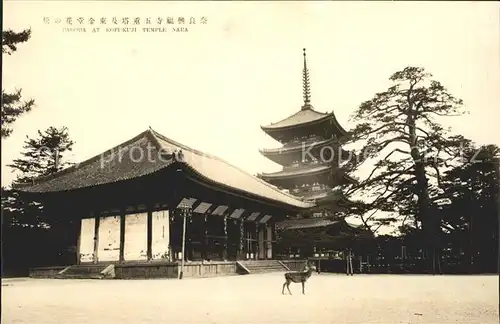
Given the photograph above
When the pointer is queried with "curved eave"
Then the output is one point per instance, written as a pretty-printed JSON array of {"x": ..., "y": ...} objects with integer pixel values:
[
  {"x": 86, "y": 174},
  {"x": 195, "y": 176},
  {"x": 306, "y": 173},
  {"x": 316, "y": 196},
  {"x": 28, "y": 187},
  {"x": 296, "y": 148},
  {"x": 275, "y": 154},
  {"x": 45, "y": 185},
  {"x": 324, "y": 225},
  {"x": 270, "y": 129},
  {"x": 200, "y": 178}
]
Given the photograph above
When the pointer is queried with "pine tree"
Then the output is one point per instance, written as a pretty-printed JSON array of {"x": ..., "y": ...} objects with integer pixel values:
[
  {"x": 408, "y": 148},
  {"x": 12, "y": 104},
  {"x": 27, "y": 230},
  {"x": 43, "y": 155}
]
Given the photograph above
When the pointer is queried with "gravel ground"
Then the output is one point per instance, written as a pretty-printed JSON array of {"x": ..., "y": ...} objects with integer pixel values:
[{"x": 254, "y": 299}]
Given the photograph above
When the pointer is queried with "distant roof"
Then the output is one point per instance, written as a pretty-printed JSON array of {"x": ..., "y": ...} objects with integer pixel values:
[
  {"x": 306, "y": 223},
  {"x": 314, "y": 222},
  {"x": 298, "y": 171},
  {"x": 118, "y": 164},
  {"x": 303, "y": 117},
  {"x": 315, "y": 195}
]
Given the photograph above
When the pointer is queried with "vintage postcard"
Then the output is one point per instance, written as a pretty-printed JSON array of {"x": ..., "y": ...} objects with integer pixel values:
[{"x": 250, "y": 162}]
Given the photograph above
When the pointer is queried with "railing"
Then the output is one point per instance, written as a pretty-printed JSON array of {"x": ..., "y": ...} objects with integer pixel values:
[
  {"x": 310, "y": 189},
  {"x": 297, "y": 142},
  {"x": 299, "y": 164}
]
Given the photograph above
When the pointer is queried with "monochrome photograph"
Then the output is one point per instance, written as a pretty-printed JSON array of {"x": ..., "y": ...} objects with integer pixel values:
[{"x": 250, "y": 162}]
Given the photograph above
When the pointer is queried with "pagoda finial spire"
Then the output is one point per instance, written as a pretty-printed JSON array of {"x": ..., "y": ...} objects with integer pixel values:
[{"x": 306, "y": 85}]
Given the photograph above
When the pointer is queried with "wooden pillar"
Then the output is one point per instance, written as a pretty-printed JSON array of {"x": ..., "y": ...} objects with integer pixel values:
[
  {"x": 350, "y": 261},
  {"x": 237, "y": 240},
  {"x": 173, "y": 234},
  {"x": 78, "y": 242},
  {"x": 274, "y": 236},
  {"x": 350, "y": 270},
  {"x": 189, "y": 239},
  {"x": 242, "y": 249},
  {"x": 122, "y": 235},
  {"x": 256, "y": 241},
  {"x": 346, "y": 262},
  {"x": 96, "y": 237},
  {"x": 150, "y": 234},
  {"x": 224, "y": 252},
  {"x": 264, "y": 238},
  {"x": 233, "y": 240},
  {"x": 268, "y": 241},
  {"x": 204, "y": 239}
]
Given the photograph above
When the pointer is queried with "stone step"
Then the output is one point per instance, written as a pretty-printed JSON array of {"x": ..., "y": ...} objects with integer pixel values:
[
  {"x": 83, "y": 271},
  {"x": 78, "y": 276},
  {"x": 86, "y": 268},
  {"x": 263, "y": 266},
  {"x": 260, "y": 261}
]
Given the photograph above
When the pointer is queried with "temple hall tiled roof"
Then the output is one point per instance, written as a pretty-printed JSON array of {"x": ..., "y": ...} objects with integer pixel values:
[
  {"x": 224, "y": 173},
  {"x": 119, "y": 164},
  {"x": 116, "y": 164}
]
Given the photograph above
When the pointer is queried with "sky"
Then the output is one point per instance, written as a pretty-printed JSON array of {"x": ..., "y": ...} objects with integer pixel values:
[{"x": 213, "y": 86}]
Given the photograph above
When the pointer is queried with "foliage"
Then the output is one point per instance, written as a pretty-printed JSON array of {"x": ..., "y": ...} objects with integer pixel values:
[
  {"x": 10, "y": 39},
  {"x": 12, "y": 108},
  {"x": 24, "y": 221},
  {"x": 43, "y": 155},
  {"x": 468, "y": 206},
  {"x": 406, "y": 145},
  {"x": 12, "y": 104},
  {"x": 409, "y": 149},
  {"x": 20, "y": 211}
]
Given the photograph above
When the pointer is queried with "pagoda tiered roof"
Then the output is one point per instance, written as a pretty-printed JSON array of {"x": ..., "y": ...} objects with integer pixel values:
[
  {"x": 306, "y": 170},
  {"x": 298, "y": 146},
  {"x": 293, "y": 151},
  {"x": 307, "y": 116},
  {"x": 299, "y": 171},
  {"x": 307, "y": 120},
  {"x": 309, "y": 130},
  {"x": 120, "y": 164}
]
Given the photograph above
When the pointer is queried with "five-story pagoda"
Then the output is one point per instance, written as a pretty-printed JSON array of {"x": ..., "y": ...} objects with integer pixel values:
[{"x": 312, "y": 156}]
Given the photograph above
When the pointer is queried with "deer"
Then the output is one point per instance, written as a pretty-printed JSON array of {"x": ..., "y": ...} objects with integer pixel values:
[{"x": 298, "y": 276}]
